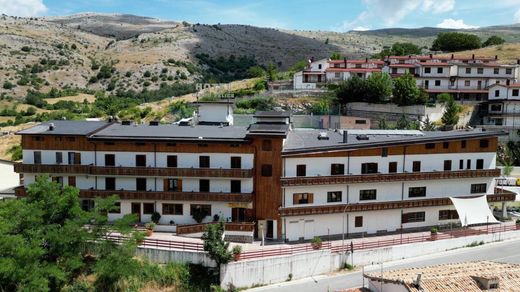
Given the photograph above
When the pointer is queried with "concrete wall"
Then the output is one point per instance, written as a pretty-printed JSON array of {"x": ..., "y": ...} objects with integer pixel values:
[
  {"x": 9, "y": 178},
  {"x": 163, "y": 256},
  {"x": 276, "y": 269}
]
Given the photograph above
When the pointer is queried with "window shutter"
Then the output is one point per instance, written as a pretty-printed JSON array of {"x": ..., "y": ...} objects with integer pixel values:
[
  {"x": 179, "y": 185},
  {"x": 311, "y": 198}
]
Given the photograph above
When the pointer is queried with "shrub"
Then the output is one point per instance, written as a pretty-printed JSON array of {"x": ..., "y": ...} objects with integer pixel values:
[
  {"x": 150, "y": 226},
  {"x": 156, "y": 217},
  {"x": 147, "y": 74},
  {"x": 7, "y": 85},
  {"x": 434, "y": 230},
  {"x": 199, "y": 214},
  {"x": 26, "y": 49},
  {"x": 236, "y": 250}
]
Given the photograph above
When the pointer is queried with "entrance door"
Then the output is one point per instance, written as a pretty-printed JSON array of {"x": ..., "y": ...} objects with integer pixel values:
[
  {"x": 136, "y": 209},
  {"x": 238, "y": 214},
  {"x": 270, "y": 229}
]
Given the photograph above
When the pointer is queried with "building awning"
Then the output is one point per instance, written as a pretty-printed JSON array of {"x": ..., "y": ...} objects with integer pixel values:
[{"x": 473, "y": 210}]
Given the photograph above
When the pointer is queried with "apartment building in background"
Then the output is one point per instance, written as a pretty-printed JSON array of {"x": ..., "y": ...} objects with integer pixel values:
[{"x": 293, "y": 183}]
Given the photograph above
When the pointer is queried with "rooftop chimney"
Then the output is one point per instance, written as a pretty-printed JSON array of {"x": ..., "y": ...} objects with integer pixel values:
[
  {"x": 417, "y": 282},
  {"x": 431, "y": 56},
  {"x": 473, "y": 56},
  {"x": 452, "y": 56},
  {"x": 366, "y": 60},
  {"x": 345, "y": 61},
  {"x": 51, "y": 127},
  {"x": 496, "y": 57},
  {"x": 345, "y": 137}
]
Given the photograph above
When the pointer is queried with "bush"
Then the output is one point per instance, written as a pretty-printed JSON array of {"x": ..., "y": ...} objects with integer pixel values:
[
  {"x": 147, "y": 74},
  {"x": 7, "y": 85},
  {"x": 236, "y": 250},
  {"x": 26, "y": 49},
  {"x": 199, "y": 214},
  {"x": 150, "y": 226},
  {"x": 434, "y": 230},
  {"x": 493, "y": 41},
  {"x": 156, "y": 217}
]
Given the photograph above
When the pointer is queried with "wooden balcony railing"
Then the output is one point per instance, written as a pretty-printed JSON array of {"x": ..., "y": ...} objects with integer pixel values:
[
  {"x": 379, "y": 177},
  {"x": 231, "y": 226},
  {"x": 134, "y": 171},
  {"x": 376, "y": 206},
  {"x": 147, "y": 195}
]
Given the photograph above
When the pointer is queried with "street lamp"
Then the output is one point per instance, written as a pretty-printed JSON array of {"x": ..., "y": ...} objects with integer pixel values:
[{"x": 343, "y": 228}]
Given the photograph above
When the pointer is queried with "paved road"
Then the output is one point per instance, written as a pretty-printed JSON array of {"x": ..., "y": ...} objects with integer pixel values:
[{"x": 508, "y": 251}]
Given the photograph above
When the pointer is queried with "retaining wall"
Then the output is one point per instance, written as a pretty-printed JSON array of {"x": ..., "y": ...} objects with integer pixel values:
[{"x": 163, "y": 256}]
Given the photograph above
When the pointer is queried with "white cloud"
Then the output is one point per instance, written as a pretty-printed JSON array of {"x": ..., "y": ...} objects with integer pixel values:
[
  {"x": 22, "y": 7},
  {"x": 438, "y": 6},
  {"x": 517, "y": 16},
  {"x": 455, "y": 23},
  {"x": 361, "y": 28}
]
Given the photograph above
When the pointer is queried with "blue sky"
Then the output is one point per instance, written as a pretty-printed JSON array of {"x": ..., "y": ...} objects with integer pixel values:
[{"x": 336, "y": 15}]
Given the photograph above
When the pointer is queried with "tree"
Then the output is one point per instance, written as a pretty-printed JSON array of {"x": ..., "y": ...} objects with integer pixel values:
[
  {"x": 428, "y": 125},
  {"x": 16, "y": 152},
  {"x": 451, "y": 113},
  {"x": 256, "y": 71},
  {"x": 378, "y": 87},
  {"x": 214, "y": 244},
  {"x": 455, "y": 41},
  {"x": 405, "y": 90},
  {"x": 272, "y": 72},
  {"x": 493, "y": 41},
  {"x": 382, "y": 124},
  {"x": 335, "y": 56},
  {"x": 351, "y": 90},
  {"x": 404, "y": 49}
]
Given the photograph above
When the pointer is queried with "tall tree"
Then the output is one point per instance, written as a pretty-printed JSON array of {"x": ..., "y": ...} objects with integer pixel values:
[
  {"x": 351, "y": 90},
  {"x": 451, "y": 113},
  {"x": 455, "y": 41},
  {"x": 405, "y": 90},
  {"x": 428, "y": 125},
  {"x": 378, "y": 87},
  {"x": 214, "y": 244},
  {"x": 493, "y": 41}
]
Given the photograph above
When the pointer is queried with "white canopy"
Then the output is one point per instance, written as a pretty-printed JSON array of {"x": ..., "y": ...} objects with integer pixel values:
[{"x": 473, "y": 210}]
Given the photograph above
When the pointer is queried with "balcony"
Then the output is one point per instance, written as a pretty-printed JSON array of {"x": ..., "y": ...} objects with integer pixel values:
[
  {"x": 150, "y": 195},
  {"x": 499, "y": 196},
  {"x": 133, "y": 171},
  {"x": 390, "y": 177}
]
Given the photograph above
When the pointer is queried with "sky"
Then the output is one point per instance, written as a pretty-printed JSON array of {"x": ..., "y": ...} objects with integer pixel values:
[{"x": 333, "y": 15}]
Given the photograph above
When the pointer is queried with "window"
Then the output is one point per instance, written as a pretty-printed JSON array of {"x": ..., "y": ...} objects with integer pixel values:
[
  {"x": 480, "y": 70},
  {"x": 384, "y": 152},
  {"x": 484, "y": 143},
  {"x": 448, "y": 214},
  {"x": 414, "y": 192},
  {"x": 466, "y": 82},
  {"x": 478, "y": 188},
  {"x": 358, "y": 221},
  {"x": 140, "y": 184},
  {"x": 319, "y": 66},
  {"x": 369, "y": 168},
  {"x": 204, "y": 185},
  {"x": 447, "y": 165},
  {"x": 461, "y": 164},
  {"x": 236, "y": 186},
  {"x": 173, "y": 185},
  {"x": 497, "y": 93},
  {"x": 394, "y": 70},
  {"x": 468, "y": 164},
  {"x": 37, "y": 138},
  {"x": 480, "y": 163},
  {"x": 509, "y": 71},
  {"x": 463, "y": 144},
  {"x": 267, "y": 145},
  {"x": 303, "y": 198},
  {"x": 446, "y": 145},
  {"x": 413, "y": 217},
  {"x": 72, "y": 181},
  {"x": 204, "y": 161},
  {"x": 337, "y": 169},
  {"x": 430, "y": 146},
  {"x": 205, "y": 208},
  {"x": 70, "y": 157},
  {"x": 171, "y": 209},
  {"x": 140, "y": 160},
  {"x": 515, "y": 92},
  {"x": 58, "y": 180},
  {"x": 110, "y": 160},
  {"x": 110, "y": 183},
  {"x": 365, "y": 195},
  {"x": 116, "y": 209},
  {"x": 495, "y": 70},
  {"x": 171, "y": 161},
  {"x": 301, "y": 170},
  {"x": 360, "y": 122},
  {"x": 392, "y": 167},
  {"x": 59, "y": 158},
  {"x": 416, "y": 166},
  {"x": 437, "y": 83},
  {"x": 439, "y": 71},
  {"x": 87, "y": 205},
  {"x": 468, "y": 70},
  {"x": 427, "y": 70},
  {"x": 333, "y": 197},
  {"x": 267, "y": 170},
  {"x": 148, "y": 208},
  {"x": 236, "y": 162}
]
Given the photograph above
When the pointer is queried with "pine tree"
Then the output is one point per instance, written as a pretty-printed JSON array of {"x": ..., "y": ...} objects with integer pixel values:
[
  {"x": 451, "y": 113},
  {"x": 428, "y": 125}
]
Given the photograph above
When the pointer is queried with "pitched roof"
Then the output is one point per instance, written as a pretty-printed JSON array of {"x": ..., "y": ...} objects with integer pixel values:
[
  {"x": 453, "y": 277},
  {"x": 63, "y": 127}
]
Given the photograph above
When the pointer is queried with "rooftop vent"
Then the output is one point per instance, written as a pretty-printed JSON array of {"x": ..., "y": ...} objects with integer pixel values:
[
  {"x": 51, "y": 127},
  {"x": 126, "y": 123},
  {"x": 487, "y": 282},
  {"x": 323, "y": 136},
  {"x": 345, "y": 137},
  {"x": 154, "y": 123},
  {"x": 362, "y": 137},
  {"x": 417, "y": 282}
]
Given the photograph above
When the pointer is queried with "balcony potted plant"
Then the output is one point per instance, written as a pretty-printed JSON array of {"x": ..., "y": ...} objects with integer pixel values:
[
  {"x": 316, "y": 242},
  {"x": 150, "y": 226},
  {"x": 433, "y": 233},
  {"x": 236, "y": 251}
]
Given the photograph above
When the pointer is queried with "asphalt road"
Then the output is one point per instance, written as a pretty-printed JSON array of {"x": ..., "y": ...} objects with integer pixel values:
[{"x": 507, "y": 252}]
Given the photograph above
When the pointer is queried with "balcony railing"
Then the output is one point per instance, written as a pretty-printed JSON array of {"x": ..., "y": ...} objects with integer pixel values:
[
  {"x": 145, "y": 171},
  {"x": 231, "y": 226},
  {"x": 151, "y": 195},
  {"x": 379, "y": 177},
  {"x": 501, "y": 196}
]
